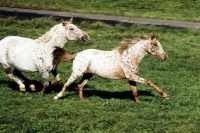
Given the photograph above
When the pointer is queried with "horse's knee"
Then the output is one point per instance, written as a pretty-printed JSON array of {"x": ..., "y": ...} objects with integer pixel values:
[{"x": 45, "y": 83}]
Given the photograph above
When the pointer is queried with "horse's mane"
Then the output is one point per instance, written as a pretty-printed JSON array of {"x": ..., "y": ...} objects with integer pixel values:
[
  {"x": 48, "y": 35},
  {"x": 127, "y": 43}
]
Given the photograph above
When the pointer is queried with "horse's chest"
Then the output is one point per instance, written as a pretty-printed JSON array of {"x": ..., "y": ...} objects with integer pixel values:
[{"x": 129, "y": 65}]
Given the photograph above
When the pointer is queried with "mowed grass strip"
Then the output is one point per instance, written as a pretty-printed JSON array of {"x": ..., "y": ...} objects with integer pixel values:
[
  {"x": 109, "y": 105},
  {"x": 183, "y": 10}
]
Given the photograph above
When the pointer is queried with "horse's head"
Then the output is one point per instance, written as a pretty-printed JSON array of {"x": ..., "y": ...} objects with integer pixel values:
[
  {"x": 155, "y": 48},
  {"x": 73, "y": 32}
]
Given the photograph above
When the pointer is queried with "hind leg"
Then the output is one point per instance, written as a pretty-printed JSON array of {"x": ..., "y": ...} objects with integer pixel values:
[
  {"x": 56, "y": 75},
  {"x": 20, "y": 75},
  {"x": 10, "y": 75},
  {"x": 82, "y": 83}
]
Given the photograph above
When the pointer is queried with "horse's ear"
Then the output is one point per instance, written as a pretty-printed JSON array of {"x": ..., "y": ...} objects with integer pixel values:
[
  {"x": 155, "y": 36},
  {"x": 71, "y": 20},
  {"x": 63, "y": 22}
]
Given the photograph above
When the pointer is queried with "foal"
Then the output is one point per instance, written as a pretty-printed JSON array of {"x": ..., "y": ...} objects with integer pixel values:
[{"x": 120, "y": 63}]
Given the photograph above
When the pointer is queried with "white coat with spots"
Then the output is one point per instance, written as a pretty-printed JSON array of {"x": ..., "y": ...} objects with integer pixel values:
[
  {"x": 120, "y": 63},
  {"x": 30, "y": 55}
]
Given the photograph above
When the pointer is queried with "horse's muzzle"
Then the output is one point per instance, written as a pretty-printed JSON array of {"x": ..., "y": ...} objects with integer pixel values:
[
  {"x": 85, "y": 38},
  {"x": 165, "y": 57}
]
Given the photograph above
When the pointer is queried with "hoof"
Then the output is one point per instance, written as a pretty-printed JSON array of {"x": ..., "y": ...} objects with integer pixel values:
[
  {"x": 165, "y": 96},
  {"x": 137, "y": 101},
  {"x": 42, "y": 92},
  {"x": 22, "y": 89},
  {"x": 55, "y": 82},
  {"x": 55, "y": 98},
  {"x": 32, "y": 87},
  {"x": 82, "y": 99}
]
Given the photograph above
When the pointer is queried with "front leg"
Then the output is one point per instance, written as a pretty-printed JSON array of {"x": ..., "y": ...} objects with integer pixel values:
[
  {"x": 45, "y": 81},
  {"x": 56, "y": 75},
  {"x": 157, "y": 89},
  {"x": 70, "y": 80},
  {"x": 148, "y": 82}
]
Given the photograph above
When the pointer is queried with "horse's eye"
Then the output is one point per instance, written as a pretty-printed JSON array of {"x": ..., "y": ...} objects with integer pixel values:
[
  {"x": 71, "y": 29},
  {"x": 155, "y": 44}
]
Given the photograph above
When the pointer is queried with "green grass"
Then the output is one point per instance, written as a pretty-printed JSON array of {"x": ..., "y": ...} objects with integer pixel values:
[
  {"x": 108, "y": 105},
  {"x": 184, "y": 10}
]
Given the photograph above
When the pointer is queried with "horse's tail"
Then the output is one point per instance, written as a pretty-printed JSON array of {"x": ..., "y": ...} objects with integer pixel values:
[{"x": 59, "y": 55}]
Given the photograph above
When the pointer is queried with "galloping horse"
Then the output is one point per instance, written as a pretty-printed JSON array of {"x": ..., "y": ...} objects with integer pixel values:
[
  {"x": 120, "y": 63},
  {"x": 30, "y": 55}
]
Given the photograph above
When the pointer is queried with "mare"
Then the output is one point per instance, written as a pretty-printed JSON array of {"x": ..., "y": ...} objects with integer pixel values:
[
  {"x": 120, "y": 63},
  {"x": 28, "y": 55}
]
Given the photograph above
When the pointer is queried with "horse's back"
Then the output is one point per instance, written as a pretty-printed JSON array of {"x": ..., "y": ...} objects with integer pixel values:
[
  {"x": 90, "y": 55},
  {"x": 15, "y": 43},
  {"x": 12, "y": 41},
  {"x": 15, "y": 38}
]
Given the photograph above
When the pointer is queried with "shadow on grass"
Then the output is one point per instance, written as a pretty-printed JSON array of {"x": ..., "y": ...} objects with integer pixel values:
[
  {"x": 87, "y": 91},
  {"x": 117, "y": 94},
  {"x": 38, "y": 86},
  {"x": 14, "y": 86}
]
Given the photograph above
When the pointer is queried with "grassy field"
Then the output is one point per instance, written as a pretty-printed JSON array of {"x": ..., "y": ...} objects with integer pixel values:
[
  {"x": 108, "y": 105},
  {"x": 185, "y": 10}
]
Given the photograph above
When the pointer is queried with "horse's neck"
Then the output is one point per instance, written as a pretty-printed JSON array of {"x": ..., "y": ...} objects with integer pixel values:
[
  {"x": 54, "y": 37},
  {"x": 137, "y": 52},
  {"x": 131, "y": 58},
  {"x": 56, "y": 41}
]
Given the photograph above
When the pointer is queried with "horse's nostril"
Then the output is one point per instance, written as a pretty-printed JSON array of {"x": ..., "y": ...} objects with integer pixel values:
[
  {"x": 165, "y": 57},
  {"x": 85, "y": 38}
]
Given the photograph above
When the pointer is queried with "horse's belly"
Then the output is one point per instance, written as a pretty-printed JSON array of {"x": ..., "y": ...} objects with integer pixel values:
[
  {"x": 26, "y": 66},
  {"x": 107, "y": 75},
  {"x": 106, "y": 65},
  {"x": 22, "y": 61},
  {"x": 111, "y": 71}
]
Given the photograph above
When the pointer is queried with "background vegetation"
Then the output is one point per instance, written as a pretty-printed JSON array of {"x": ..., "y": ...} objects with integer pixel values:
[
  {"x": 185, "y": 10},
  {"x": 108, "y": 105}
]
